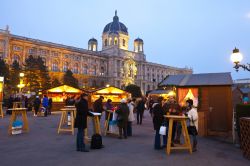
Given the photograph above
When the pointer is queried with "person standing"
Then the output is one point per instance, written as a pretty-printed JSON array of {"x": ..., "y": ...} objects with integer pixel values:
[
  {"x": 172, "y": 108},
  {"x": 36, "y": 105},
  {"x": 193, "y": 121},
  {"x": 50, "y": 106},
  {"x": 98, "y": 106},
  {"x": 10, "y": 105},
  {"x": 131, "y": 117},
  {"x": 158, "y": 119},
  {"x": 140, "y": 110},
  {"x": 122, "y": 118},
  {"x": 45, "y": 103},
  {"x": 81, "y": 122}
]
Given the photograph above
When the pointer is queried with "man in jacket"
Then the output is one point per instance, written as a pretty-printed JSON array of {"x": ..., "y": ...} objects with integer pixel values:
[
  {"x": 122, "y": 118},
  {"x": 45, "y": 104},
  {"x": 81, "y": 122},
  {"x": 158, "y": 119},
  {"x": 36, "y": 105},
  {"x": 140, "y": 110}
]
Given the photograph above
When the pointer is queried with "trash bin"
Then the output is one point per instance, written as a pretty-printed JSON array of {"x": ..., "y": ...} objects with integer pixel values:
[{"x": 245, "y": 136}]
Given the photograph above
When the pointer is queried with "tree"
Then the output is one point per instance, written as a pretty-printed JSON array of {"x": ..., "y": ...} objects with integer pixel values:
[
  {"x": 4, "y": 70},
  {"x": 36, "y": 74},
  {"x": 56, "y": 83},
  {"x": 69, "y": 79},
  {"x": 134, "y": 90},
  {"x": 14, "y": 76}
]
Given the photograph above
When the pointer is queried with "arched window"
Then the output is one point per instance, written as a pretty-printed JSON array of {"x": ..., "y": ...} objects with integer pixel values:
[
  {"x": 124, "y": 42},
  {"x": 75, "y": 69},
  {"x": 110, "y": 41},
  {"x": 116, "y": 42},
  {"x": 85, "y": 69},
  {"x": 94, "y": 71},
  {"x": 106, "y": 42},
  {"x": 54, "y": 65},
  {"x": 102, "y": 71},
  {"x": 65, "y": 66},
  {"x": 102, "y": 84}
]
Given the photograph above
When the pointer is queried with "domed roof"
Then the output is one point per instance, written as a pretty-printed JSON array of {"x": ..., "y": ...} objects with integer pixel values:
[
  {"x": 138, "y": 40},
  {"x": 92, "y": 40},
  {"x": 115, "y": 26}
]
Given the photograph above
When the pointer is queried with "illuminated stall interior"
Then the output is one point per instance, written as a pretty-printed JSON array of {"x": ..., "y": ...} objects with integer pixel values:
[
  {"x": 60, "y": 93},
  {"x": 113, "y": 93},
  {"x": 1, "y": 88},
  {"x": 161, "y": 93},
  {"x": 187, "y": 93}
]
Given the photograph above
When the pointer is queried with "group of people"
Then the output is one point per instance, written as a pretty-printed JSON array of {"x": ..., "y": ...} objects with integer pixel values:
[
  {"x": 46, "y": 104},
  {"x": 171, "y": 107}
]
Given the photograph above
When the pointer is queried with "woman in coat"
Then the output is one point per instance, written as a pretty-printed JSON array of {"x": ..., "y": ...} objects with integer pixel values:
[
  {"x": 122, "y": 118},
  {"x": 81, "y": 121}
]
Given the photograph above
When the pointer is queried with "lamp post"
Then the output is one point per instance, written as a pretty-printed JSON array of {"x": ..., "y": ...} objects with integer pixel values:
[
  {"x": 236, "y": 58},
  {"x": 21, "y": 85}
]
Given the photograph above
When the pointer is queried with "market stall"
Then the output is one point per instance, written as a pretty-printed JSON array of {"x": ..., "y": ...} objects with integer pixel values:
[
  {"x": 154, "y": 94},
  {"x": 59, "y": 95},
  {"x": 113, "y": 93}
]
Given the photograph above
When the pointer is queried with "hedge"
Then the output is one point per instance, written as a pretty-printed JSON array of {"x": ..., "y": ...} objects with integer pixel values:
[{"x": 242, "y": 110}]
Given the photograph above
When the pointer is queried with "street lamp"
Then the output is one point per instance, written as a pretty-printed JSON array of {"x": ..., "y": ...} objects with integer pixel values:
[
  {"x": 236, "y": 58},
  {"x": 21, "y": 85}
]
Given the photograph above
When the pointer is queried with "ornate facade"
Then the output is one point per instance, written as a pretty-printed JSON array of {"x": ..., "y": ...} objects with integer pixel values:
[{"x": 115, "y": 64}]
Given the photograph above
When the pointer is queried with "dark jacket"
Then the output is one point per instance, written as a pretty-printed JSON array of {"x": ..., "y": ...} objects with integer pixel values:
[
  {"x": 81, "y": 114},
  {"x": 37, "y": 103},
  {"x": 122, "y": 115},
  {"x": 158, "y": 116},
  {"x": 98, "y": 107},
  {"x": 140, "y": 106},
  {"x": 172, "y": 108}
]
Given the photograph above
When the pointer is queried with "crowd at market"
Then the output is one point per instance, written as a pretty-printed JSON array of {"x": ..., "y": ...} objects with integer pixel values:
[{"x": 125, "y": 117}]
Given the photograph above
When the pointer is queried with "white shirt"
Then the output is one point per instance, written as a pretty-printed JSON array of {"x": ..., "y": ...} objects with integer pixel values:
[
  {"x": 131, "y": 116},
  {"x": 193, "y": 117}
]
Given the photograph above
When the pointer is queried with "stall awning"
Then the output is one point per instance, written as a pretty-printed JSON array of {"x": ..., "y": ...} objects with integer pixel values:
[
  {"x": 64, "y": 89},
  {"x": 110, "y": 90}
]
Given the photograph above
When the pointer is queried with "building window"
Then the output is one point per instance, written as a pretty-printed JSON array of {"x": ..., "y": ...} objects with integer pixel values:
[
  {"x": 65, "y": 66},
  {"x": 94, "y": 83},
  {"x": 116, "y": 41},
  {"x": 94, "y": 70},
  {"x": 110, "y": 41},
  {"x": 102, "y": 84},
  {"x": 75, "y": 69},
  {"x": 17, "y": 48},
  {"x": 54, "y": 66},
  {"x": 85, "y": 69},
  {"x": 102, "y": 71},
  {"x": 123, "y": 42},
  {"x": 31, "y": 51},
  {"x": 106, "y": 42}
]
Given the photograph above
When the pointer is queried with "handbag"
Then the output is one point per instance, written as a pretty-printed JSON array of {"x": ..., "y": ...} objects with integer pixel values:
[{"x": 163, "y": 130}]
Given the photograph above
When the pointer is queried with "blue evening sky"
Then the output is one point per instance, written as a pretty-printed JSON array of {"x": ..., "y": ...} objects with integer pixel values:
[{"x": 196, "y": 33}]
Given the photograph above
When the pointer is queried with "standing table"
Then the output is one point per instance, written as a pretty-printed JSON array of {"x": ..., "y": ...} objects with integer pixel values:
[
  {"x": 182, "y": 120},
  {"x": 64, "y": 119},
  {"x": 1, "y": 109},
  {"x": 106, "y": 124},
  {"x": 15, "y": 112}
]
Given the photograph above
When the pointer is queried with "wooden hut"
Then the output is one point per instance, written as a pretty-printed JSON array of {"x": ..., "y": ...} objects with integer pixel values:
[
  {"x": 59, "y": 95},
  {"x": 212, "y": 94}
]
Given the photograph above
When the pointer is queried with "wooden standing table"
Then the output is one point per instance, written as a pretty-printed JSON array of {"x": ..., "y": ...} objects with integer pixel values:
[
  {"x": 182, "y": 120},
  {"x": 106, "y": 124},
  {"x": 64, "y": 120},
  {"x": 15, "y": 112},
  {"x": 96, "y": 122},
  {"x": 1, "y": 109}
]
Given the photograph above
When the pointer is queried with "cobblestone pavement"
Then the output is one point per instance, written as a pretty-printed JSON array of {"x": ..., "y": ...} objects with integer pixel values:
[{"x": 42, "y": 146}]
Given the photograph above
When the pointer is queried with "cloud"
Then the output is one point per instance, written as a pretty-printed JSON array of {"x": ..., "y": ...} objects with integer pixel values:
[{"x": 248, "y": 15}]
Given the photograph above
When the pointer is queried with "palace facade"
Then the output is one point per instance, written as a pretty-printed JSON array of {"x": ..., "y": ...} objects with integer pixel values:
[{"x": 115, "y": 64}]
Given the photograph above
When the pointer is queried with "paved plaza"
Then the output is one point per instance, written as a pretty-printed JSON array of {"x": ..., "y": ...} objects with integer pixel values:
[{"x": 42, "y": 146}]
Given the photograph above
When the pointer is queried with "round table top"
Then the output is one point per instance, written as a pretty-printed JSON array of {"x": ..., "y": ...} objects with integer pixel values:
[
  {"x": 68, "y": 109},
  {"x": 17, "y": 109},
  {"x": 69, "y": 106},
  {"x": 175, "y": 116}
]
